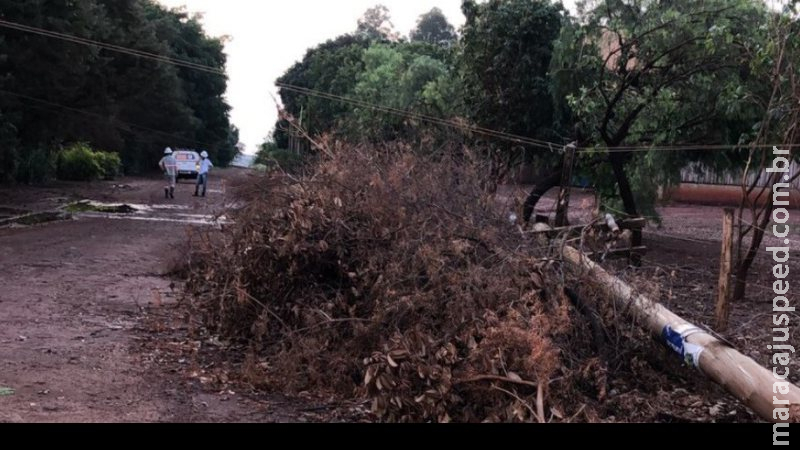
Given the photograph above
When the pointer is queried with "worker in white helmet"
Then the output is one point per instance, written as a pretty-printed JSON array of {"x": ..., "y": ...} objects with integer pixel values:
[
  {"x": 202, "y": 177},
  {"x": 169, "y": 166}
]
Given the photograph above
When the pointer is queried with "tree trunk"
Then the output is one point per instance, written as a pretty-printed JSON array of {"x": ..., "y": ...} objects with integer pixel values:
[
  {"x": 542, "y": 187},
  {"x": 526, "y": 174},
  {"x": 743, "y": 266},
  {"x": 617, "y": 160}
]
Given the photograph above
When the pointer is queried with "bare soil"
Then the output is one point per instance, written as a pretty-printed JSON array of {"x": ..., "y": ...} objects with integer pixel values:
[{"x": 90, "y": 326}]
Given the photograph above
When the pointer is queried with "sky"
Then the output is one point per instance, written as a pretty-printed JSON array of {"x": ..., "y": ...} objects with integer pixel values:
[{"x": 268, "y": 37}]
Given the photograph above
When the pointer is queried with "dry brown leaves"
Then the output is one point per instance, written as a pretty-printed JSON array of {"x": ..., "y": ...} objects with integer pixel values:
[{"x": 384, "y": 274}]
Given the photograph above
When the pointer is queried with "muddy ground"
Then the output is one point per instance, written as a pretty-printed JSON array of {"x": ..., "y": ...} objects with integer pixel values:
[
  {"x": 89, "y": 322},
  {"x": 92, "y": 330}
]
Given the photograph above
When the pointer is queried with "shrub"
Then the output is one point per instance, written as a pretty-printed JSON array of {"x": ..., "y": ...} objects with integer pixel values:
[
  {"x": 286, "y": 160},
  {"x": 111, "y": 164},
  {"x": 79, "y": 163},
  {"x": 271, "y": 156}
]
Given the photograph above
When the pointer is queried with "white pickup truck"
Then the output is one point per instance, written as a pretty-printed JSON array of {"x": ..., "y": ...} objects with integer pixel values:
[{"x": 188, "y": 163}]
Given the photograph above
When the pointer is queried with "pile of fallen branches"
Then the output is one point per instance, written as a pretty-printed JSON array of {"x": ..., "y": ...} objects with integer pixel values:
[{"x": 393, "y": 276}]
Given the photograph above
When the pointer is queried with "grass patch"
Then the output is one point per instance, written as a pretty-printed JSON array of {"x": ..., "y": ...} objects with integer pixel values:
[{"x": 86, "y": 207}]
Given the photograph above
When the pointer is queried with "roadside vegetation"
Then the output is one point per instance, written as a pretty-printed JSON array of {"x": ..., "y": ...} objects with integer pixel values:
[{"x": 117, "y": 102}]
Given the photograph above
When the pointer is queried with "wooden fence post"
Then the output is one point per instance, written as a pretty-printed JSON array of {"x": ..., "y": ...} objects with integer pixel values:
[
  {"x": 726, "y": 264},
  {"x": 562, "y": 214}
]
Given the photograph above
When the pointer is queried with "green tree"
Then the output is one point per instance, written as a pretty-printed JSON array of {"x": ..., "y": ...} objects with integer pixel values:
[
  {"x": 56, "y": 92},
  {"x": 204, "y": 91},
  {"x": 43, "y": 68},
  {"x": 405, "y": 77},
  {"x": 433, "y": 28},
  {"x": 663, "y": 72},
  {"x": 507, "y": 53},
  {"x": 146, "y": 93},
  {"x": 376, "y": 24},
  {"x": 332, "y": 68},
  {"x": 508, "y": 47},
  {"x": 776, "y": 60}
]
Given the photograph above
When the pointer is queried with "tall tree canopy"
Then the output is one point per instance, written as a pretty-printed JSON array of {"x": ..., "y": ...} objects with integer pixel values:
[
  {"x": 330, "y": 89},
  {"x": 409, "y": 77},
  {"x": 376, "y": 24},
  {"x": 507, "y": 52},
  {"x": 56, "y": 92},
  {"x": 433, "y": 28},
  {"x": 331, "y": 67},
  {"x": 647, "y": 72}
]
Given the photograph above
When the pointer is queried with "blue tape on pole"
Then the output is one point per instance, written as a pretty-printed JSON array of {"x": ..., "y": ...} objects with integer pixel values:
[
  {"x": 673, "y": 339},
  {"x": 689, "y": 353}
]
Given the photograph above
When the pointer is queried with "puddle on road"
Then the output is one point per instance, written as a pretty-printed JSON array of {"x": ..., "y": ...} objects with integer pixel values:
[
  {"x": 144, "y": 213},
  {"x": 191, "y": 220},
  {"x": 31, "y": 219},
  {"x": 87, "y": 207},
  {"x": 178, "y": 214},
  {"x": 162, "y": 207},
  {"x": 38, "y": 218},
  {"x": 8, "y": 212}
]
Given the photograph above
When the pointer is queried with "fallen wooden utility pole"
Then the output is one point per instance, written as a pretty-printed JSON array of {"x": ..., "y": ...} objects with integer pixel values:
[{"x": 742, "y": 377}]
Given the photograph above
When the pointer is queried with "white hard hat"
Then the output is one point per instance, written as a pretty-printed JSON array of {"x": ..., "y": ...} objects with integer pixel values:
[
  {"x": 168, "y": 151},
  {"x": 204, "y": 155}
]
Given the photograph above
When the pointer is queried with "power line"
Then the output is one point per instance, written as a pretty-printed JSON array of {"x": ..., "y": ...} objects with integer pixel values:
[
  {"x": 112, "y": 47},
  {"x": 521, "y": 139},
  {"x": 425, "y": 118},
  {"x": 118, "y": 124},
  {"x": 687, "y": 147}
]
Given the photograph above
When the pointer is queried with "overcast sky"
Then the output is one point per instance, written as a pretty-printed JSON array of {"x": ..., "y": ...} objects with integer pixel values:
[{"x": 267, "y": 37}]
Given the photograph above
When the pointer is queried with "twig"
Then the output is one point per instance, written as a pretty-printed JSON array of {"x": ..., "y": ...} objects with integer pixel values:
[
  {"x": 332, "y": 322},
  {"x": 480, "y": 378},
  {"x": 540, "y": 403},
  {"x": 266, "y": 308},
  {"x": 583, "y": 407},
  {"x": 529, "y": 408}
]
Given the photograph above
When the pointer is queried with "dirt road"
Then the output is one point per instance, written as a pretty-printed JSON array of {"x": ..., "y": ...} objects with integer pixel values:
[{"x": 77, "y": 296}]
